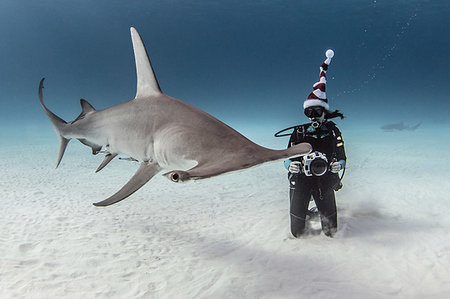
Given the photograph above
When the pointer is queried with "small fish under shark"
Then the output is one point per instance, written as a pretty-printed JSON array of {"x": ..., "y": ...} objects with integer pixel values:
[{"x": 162, "y": 133}]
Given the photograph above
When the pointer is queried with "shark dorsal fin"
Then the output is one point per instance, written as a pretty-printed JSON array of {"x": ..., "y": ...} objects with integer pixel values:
[
  {"x": 147, "y": 84},
  {"x": 86, "y": 107}
]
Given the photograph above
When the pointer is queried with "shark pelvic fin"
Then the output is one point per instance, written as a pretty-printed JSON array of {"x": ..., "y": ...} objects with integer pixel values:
[
  {"x": 105, "y": 162},
  {"x": 145, "y": 172},
  {"x": 147, "y": 84},
  {"x": 95, "y": 147}
]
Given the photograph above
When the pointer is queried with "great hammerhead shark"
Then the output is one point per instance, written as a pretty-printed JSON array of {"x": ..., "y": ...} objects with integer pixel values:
[{"x": 161, "y": 132}]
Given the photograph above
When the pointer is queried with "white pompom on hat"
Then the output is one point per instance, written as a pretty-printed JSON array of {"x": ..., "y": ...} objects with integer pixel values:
[{"x": 319, "y": 97}]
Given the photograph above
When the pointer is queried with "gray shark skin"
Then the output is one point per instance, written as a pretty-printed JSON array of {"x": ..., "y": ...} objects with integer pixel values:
[
  {"x": 161, "y": 132},
  {"x": 399, "y": 127}
]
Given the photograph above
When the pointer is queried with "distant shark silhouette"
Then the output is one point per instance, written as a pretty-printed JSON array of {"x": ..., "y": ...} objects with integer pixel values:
[
  {"x": 161, "y": 132},
  {"x": 399, "y": 127}
]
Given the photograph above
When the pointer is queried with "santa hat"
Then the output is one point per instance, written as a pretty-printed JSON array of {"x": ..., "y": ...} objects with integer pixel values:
[{"x": 318, "y": 97}]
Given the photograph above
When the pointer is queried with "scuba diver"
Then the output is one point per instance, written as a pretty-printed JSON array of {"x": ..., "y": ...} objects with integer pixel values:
[{"x": 316, "y": 175}]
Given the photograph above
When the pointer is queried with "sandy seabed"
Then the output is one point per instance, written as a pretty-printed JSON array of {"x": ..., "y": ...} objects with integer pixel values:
[{"x": 225, "y": 237}]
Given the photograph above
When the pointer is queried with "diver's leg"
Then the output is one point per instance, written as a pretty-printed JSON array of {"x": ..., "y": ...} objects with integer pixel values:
[
  {"x": 299, "y": 200},
  {"x": 326, "y": 204}
]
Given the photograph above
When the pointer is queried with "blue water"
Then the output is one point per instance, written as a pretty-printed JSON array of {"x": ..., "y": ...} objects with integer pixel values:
[{"x": 249, "y": 63}]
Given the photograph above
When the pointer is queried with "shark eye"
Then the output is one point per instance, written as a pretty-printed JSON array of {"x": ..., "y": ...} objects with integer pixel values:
[{"x": 175, "y": 177}]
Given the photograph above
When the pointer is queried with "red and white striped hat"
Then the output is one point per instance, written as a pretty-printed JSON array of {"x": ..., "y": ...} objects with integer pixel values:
[{"x": 318, "y": 97}]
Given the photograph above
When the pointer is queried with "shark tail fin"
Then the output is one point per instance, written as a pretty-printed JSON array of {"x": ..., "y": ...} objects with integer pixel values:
[
  {"x": 62, "y": 148},
  {"x": 58, "y": 124}
]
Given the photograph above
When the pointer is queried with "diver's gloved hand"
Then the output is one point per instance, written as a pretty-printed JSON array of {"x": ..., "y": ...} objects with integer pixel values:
[
  {"x": 294, "y": 167},
  {"x": 335, "y": 167}
]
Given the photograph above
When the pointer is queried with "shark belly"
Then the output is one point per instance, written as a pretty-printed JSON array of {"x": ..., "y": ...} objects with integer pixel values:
[{"x": 170, "y": 149}]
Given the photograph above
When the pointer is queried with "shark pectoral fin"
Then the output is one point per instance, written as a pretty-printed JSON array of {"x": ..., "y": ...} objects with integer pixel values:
[
  {"x": 105, "y": 162},
  {"x": 145, "y": 172}
]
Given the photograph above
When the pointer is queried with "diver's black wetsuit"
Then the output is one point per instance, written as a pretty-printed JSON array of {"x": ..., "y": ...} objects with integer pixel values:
[{"x": 326, "y": 139}]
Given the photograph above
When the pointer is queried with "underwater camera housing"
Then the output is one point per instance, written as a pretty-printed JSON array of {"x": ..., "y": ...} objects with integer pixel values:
[{"x": 315, "y": 164}]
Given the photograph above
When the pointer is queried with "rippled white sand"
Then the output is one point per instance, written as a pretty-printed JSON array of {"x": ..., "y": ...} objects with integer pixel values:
[{"x": 225, "y": 237}]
